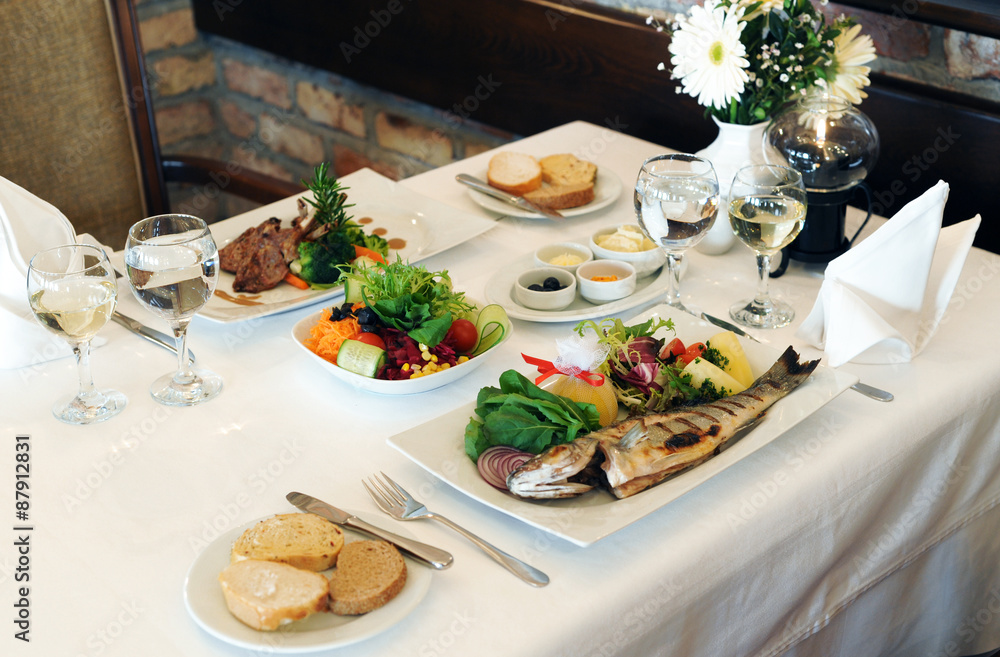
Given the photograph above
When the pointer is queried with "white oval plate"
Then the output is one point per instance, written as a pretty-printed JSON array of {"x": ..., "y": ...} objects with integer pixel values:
[
  {"x": 607, "y": 189},
  {"x": 405, "y": 387},
  {"x": 207, "y": 606}
]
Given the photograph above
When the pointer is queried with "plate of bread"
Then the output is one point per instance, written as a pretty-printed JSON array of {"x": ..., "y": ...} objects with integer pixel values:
[
  {"x": 296, "y": 583},
  {"x": 560, "y": 181}
]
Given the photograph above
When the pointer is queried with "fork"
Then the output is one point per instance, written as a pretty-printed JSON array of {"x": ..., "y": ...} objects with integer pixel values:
[{"x": 396, "y": 502}]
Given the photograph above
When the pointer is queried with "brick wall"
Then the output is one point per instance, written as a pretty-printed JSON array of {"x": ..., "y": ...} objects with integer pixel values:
[{"x": 224, "y": 100}]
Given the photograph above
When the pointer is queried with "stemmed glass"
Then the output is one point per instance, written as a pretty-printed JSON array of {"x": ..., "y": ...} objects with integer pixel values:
[
  {"x": 72, "y": 292},
  {"x": 173, "y": 265},
  {"x": 767, "y": 209},
  {"x": 676, "y": 200}
]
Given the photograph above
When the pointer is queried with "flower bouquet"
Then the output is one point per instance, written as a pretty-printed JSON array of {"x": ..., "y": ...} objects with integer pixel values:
[{"x": 745, "y": 59}]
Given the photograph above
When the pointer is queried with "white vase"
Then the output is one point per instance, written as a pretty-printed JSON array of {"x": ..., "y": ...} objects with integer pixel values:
[{"x": 736, "y": 146}]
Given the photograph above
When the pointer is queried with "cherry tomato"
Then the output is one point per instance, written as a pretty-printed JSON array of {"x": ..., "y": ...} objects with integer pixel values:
[
  {"x": 463, "y": 335},
  {"x": 692, "y": 352},
  {"x": 371, "y": 338},
  {"x": 672, "y": 350}
]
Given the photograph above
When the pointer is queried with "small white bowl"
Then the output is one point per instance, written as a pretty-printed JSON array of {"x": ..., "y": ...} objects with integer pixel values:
[
  {"x": 604, "y": 291},
  {"x": 545, "y": 255},
  {"x": 548, "y": 299},
  {"x": 645, "y": 262}
]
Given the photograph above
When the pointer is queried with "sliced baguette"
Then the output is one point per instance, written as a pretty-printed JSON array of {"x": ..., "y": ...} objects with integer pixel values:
[
  {"x": 369, "y": 574},
  {"x": 302, "y": 540},
  {"x": 560, "y": 197},
  {"x": 515, "y": 173},
  {"x": 266, "y": 595},
  {"x": 566, "y": 169}
]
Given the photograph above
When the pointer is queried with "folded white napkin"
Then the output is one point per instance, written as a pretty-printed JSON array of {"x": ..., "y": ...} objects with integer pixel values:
[
  {"x": 29, "y": 225},
  {"x": 882, "y": 300}
]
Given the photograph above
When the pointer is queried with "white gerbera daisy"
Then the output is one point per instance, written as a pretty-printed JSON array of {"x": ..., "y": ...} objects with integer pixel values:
[
  {"x": 851, "y": 51},
  {"x": 766, "y": 6},
  {"x": 707, "y": 55}
]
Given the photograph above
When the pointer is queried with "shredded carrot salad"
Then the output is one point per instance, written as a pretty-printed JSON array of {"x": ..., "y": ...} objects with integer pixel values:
[{"x": 325, "y": 337}]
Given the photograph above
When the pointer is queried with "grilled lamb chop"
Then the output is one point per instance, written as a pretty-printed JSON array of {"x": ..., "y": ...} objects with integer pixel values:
[{"x": 260, "y": 255}]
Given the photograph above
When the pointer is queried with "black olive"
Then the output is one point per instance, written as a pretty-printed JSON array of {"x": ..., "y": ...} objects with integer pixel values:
[
  {"x": 346, "y": 309},
  {"x": 366, "y": 316},
  {"x": 335, "y": 314},
  {"x": 368, "y": 328},
  {"x": 551, "y": 284},
  {"x": 536, "y": 287}
]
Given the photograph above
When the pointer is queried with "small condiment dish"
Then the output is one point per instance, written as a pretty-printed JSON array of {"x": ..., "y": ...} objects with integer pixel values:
[
  {"x": 547, "y": 299},
  {"x": 621, "y": 283},
  {"x": 646, "y": 262},
  {"x": 564, "y": 255}
]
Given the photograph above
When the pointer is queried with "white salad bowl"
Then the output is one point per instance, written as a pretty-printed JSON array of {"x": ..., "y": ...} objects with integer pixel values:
[
  {"x": 604, "y": 291},
  {"x": 645, "y": 262},
  {"x": 381, "y": 386}
]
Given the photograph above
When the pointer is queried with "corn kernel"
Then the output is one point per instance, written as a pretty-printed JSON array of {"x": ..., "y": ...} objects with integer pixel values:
[
  {"x": 434, "y": 358},
  {"x": 414, "y": 367},
  {"x": 405, "y": 367}
]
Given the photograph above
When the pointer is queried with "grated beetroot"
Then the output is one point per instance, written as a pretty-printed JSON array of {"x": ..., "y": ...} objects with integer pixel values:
[{"x": 401, "y": 349}]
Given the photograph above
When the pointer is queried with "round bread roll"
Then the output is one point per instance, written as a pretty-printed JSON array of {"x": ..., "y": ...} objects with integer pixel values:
[
  {"x": 302, "y": 540},
  {"x": 515, "y": 173},
  {"x": 369, "y": 574}
]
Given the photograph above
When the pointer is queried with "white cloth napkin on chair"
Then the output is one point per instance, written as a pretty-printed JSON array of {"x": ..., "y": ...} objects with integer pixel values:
[
  {"x": 29, "y": 225},
  {"x": 882, "y": 300}
]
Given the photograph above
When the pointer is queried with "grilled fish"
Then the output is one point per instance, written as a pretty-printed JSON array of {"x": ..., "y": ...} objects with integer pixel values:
[{"x": 636, "y": 453}]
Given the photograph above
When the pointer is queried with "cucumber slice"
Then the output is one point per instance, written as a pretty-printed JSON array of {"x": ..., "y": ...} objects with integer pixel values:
[
  {"x": 492, "y": 324},
  {"x": 361, "y": 358},
  {"x": 353, "y": 288}
]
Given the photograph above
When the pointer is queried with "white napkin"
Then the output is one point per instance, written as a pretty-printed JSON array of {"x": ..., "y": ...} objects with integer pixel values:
[
  {"x": 29, "y": 225},
  {"x": 882, "y": 300}
]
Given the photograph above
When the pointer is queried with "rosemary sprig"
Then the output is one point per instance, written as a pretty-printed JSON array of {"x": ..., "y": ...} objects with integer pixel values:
[{"x": 328, "y": 198}]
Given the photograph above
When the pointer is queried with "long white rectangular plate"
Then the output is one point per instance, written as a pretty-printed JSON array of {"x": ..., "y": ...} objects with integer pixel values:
[
  {"x": 427, "y": 226},
  {"x": 438, "y": 446}
]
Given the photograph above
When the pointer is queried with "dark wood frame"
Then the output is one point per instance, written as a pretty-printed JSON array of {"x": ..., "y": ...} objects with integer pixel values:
[{"x": 528, "y": 65}]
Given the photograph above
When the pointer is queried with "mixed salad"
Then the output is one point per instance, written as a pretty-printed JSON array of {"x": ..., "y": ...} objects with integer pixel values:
[{"x": 400, "y": 321}]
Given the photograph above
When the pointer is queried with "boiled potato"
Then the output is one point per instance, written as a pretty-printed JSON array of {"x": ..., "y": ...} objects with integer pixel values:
[
  {"x": 700, "y": 369},
  {"x": 727, "y": 344}
]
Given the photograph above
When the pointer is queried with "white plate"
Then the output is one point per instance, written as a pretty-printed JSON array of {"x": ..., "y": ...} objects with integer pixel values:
[
  {"x": 427, "y": 226},
  {"x": 323, "y": 631},
  {"x": 438, "y": 446},
  {"x": 500, "y": 290},
  {"x": 607, "y": 189},
  {"x": 404, "y": 387}
]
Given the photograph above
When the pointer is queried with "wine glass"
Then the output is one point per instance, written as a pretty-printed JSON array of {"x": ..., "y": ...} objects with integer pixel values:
[
  {"x": 767, "y": 209},
  {"x": 172, "y": 264},
  {"x": 72, "y": 292},
  {"x": 676, "y": 200}
]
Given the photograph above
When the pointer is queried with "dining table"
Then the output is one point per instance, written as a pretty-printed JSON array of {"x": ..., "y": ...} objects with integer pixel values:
[{"x": 861, "y": 528}]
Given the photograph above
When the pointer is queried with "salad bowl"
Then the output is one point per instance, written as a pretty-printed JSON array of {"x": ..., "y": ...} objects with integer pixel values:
[{"x": 300, "y": 332}]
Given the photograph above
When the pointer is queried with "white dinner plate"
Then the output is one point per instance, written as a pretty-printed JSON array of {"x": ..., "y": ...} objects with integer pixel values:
[
  {"x": 381, "y": 386},
  {"x": 323, "y": 631},
  {"x": 427, "y": 227},
  {"x": 500, "y": 290},
  {"x": 607, "y": 189},
  {"x": 438, "y": 446}
]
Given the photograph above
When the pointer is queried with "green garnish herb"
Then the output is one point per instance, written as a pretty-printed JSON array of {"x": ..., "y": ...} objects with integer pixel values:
[{"x": 329, "y": 197}]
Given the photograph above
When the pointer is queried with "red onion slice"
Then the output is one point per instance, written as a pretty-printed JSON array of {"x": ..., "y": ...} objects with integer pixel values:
[{"x": 497, "y": 462}]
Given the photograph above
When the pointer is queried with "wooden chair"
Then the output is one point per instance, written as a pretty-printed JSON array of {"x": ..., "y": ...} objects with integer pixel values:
[{"x": 76, "y": 122}]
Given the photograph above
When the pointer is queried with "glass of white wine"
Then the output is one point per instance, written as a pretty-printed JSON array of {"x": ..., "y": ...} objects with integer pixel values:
[
  {"x": 676, "y": 201},
  {"x": 172, "y": 264},
  {"x": 72, "y": 292},
  {"x": 767, "y": 209}
]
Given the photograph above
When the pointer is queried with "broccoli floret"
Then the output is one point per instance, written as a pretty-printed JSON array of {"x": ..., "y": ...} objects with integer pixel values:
[
  {"x": 374, "y": 242},
  {"x": 319, "y": 260}
]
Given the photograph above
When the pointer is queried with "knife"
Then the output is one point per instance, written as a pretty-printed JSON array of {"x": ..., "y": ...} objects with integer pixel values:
[
  {"x": 154, "y": 336},
  {"x": 432, "y": 556},
  {"x": 510, "y": 199},
  {"x": 868, "y": 391}
]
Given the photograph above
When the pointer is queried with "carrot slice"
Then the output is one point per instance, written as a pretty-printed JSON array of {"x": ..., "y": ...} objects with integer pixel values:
[
  {"x": 296, "y": 281},
  {"x": 365, "y": 251}
]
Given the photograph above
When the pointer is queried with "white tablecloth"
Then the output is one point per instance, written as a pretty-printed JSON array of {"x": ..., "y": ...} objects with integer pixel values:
[{"x": 868, "y": 529}]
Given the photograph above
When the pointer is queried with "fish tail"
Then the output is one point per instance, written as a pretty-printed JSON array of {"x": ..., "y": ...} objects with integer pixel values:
[{"x": 787, "y": 372}]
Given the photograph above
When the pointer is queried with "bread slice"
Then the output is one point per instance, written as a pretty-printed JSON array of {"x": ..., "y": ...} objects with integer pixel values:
[
  {"x": 515, "y": 173},
  {"x": 566, "y": 169},
  {"x": 302, "y": 540},
  {"x": 560, "y": 197},
  {"x": 369, "y": 574},
  {"x": 266, "y": 595}
]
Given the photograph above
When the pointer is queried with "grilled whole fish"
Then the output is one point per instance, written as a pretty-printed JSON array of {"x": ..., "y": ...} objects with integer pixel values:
[{"x": 636, "y": 453}]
